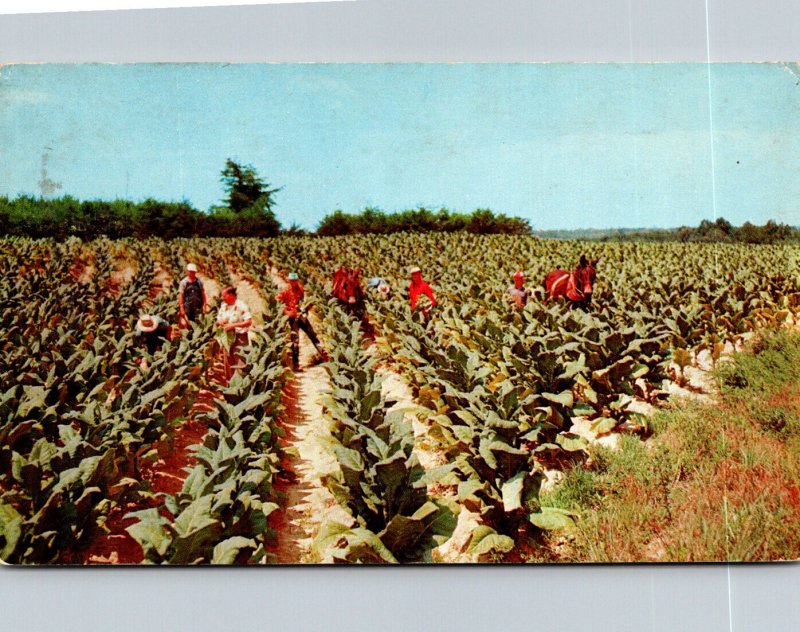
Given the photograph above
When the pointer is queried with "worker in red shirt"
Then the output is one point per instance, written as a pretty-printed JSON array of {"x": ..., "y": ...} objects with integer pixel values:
[
  {"x": 291, "y": 298},
  {"x": 517, "y": 294},
  {"x": 417, "y": 287}
]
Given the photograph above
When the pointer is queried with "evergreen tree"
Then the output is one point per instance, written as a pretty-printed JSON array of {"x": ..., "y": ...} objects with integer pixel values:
[{"x": 245, "y": 188}]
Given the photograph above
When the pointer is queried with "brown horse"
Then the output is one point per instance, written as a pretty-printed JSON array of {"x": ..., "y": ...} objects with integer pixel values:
[{"x": 575, "y": 285}]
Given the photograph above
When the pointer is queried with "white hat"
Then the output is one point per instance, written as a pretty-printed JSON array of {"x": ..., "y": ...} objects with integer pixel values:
[
  {"x": 190, "y": 267},
  {"x": 146, "y": 318},
  {"x": 414, "y": 269}
]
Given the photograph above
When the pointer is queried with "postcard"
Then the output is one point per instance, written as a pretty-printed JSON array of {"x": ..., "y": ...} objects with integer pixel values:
[{"x": 399, "y": 313}]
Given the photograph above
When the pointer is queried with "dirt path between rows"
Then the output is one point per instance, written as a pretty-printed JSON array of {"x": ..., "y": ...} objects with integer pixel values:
[
  {"x": 82, "y": 269},
  {"x": 308, "y": 504},
  {"x": 123, "y": 273},
  {"x": 162, "y": 280},
  {"x": 212, "y": 289},
  {"x": 248, "y": 293}
]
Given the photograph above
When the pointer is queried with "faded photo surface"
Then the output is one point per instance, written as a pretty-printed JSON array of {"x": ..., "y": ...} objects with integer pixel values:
[{"x": 399, "y": 313}]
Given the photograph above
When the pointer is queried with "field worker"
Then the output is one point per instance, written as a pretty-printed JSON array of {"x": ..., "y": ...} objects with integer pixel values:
[
  {"x": 291, "y": 298},
  {"x": 234, "y": 318},
  {"x": 379, "y": 285},
  {"x": 192, "y": 295},
  {"x": 417, "y": 287},
  {"x": 151, "y": 333},
  {"x": 517, "y": 293}
]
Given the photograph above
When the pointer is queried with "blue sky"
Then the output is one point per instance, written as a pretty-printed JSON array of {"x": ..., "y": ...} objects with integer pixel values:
[{"x": 564, "y": 145}]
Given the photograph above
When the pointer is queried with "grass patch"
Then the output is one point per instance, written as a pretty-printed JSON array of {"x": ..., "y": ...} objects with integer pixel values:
[{"x": 714, "y": 483}]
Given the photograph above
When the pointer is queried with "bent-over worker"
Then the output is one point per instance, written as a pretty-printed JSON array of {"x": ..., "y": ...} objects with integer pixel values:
[
  {"x": 379, "y": 285},
  {"x": 151, "y": 333},
  {"x": 419, "y": 287}
]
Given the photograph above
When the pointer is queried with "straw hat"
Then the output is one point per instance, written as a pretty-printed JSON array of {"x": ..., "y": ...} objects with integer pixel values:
[
  {"x": 146, "y": 323},
  {"x": 414, "y": 269},
  {"x": 190, "y": 267}
]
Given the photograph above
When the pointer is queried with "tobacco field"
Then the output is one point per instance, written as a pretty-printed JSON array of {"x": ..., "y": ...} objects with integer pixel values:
[{"x": 416, "y": 440}]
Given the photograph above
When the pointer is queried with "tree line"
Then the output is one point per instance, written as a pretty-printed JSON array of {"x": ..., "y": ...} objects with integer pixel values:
[
  {"x": 718, "y": 231},
  {"x": 247, "y": 211},
  {"x": 60, "y": 217},
  {"x": 372, "y": 220}
]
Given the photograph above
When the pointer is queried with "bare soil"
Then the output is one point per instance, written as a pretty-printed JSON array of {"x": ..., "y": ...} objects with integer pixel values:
[
  {"x": 162, "y": 280},
  {"x": 308, "y": 504},
  {"x": 82, "y": 268},
  {"x": 247, "y": 292},
  {"x": 123, "y": 273},
  {"x": 212, "y": 288}
]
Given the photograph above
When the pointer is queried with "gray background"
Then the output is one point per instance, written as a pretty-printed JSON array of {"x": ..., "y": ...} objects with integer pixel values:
[{"x": 643, "y": 597}]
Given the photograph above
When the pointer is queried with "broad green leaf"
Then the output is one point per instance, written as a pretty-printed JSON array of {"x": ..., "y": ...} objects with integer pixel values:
[
  {"x": 572, "y": 442},
  {"x": 552, "y": 518},
  {"x": 32, "y": 399},
  {"x": 226, "y": 551},
  {"x": 195, "y": 517},
  {"x": 486, "y": 540},
  {"x": 512, "y": 492},
  {"x": 392, "y": 475},
  {"x": 331, "y": 535},
  {"x": 565, "y": 398},
  {"x": 10, "y": 530},
  {"x": 365, "y": 546},
  {"x": 192, "y": 547},
  {"x": 467, "y": 417},
  {"x": 369, "y": 402},
  {"x": 468, "y": 489},
  {"x": 149, "y": 531},
  {"x": 403, "y": 532},
  {"x": 42, "y": 452},
  {"x": 251, "y": 403},
  {"x": 443, "y": 525},
  {"x": 603, "y": 425},
  {"x": 582, "y": 409},
  {"x": 71, "y": 439},
  {"x": 17, "y": 463},
  {"x": 443, "y": 474},
  {"x": 349, "y": 459}
]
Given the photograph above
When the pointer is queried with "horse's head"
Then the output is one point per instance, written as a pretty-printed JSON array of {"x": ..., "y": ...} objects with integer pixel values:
[{"x": 585, "y": 275}]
